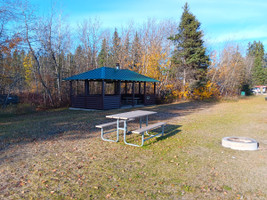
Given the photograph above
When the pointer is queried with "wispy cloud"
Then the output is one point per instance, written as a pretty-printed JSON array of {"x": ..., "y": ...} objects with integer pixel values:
[
  {"x": 222, "y": 21},
  {"x": 255, "y": 33}
]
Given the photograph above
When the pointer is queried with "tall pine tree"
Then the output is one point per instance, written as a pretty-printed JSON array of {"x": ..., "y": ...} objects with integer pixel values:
[
  {"x": 116, "y": 48},
  {"x": 103, "y": 54},
  {"x": 256, "y": 50},
  {"x": 189, "y": 60},
  {"x": 136, "y": 53}
]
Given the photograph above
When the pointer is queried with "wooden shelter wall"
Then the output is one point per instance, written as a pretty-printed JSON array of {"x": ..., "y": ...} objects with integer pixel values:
[
  {"x": 112, "y": 102},
  {"x": 89, "y": 102}
]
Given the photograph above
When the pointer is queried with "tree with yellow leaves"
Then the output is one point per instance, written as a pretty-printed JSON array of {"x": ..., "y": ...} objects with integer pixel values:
[{"x": 28, "y": 69}]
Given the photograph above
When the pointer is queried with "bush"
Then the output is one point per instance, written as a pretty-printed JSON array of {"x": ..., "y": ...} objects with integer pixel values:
[
  {"x": 246, "y": 89},
  {"x": 208, "y": 91}
]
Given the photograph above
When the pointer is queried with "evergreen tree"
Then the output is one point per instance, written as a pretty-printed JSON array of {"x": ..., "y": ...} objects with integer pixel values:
[
  {"x": 256, "y": 50},
  {"x": 125, "y": 57},
  {"x": 189, "y": 60},
  {"x": 79, "y": 60},
  {"x": 136, "y": 53},
  {"x": 115, "y": 50},
  {"x": 103, "y": 54}
]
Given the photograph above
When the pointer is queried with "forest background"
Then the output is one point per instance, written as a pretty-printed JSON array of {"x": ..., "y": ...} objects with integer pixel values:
[{"x": 37, "y": 53}]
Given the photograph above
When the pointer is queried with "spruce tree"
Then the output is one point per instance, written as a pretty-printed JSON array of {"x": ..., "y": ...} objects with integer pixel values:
[
  {"x": 189, "y": 60},
  {"x": 256, "y": 50},
  {"x": 136, "y": 53},
  {"x": 116, "y": 48},
  {"x": 79, "y": 60},
  {"x": 125, "y": 57},
  {"x": 103, "y": 54}
]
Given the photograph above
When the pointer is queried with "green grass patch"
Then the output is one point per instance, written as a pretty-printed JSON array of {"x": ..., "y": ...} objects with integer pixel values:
[{"x": 228, "y": 188}]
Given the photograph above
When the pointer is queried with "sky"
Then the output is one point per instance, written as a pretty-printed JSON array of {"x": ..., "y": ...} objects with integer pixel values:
[{"x": 222, "y": 21}]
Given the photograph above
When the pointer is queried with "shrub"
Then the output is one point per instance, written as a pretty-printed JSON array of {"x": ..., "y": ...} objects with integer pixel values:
[{"x": 208, "y": 91}]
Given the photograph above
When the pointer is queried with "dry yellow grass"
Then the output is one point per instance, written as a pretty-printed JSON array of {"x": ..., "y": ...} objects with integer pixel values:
[{"x": 59, "y": 155}]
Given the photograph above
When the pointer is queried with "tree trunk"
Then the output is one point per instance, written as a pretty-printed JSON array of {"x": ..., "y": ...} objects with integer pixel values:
[
  {"x": 184, "y": 79},
  {"x": 36, "y": 59}
]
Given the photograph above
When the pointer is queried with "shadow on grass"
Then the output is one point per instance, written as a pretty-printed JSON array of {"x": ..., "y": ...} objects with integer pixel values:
[
  {"x": 169, "y": 111},
  {"x": 76, "y": 125},
  {"x": 169, "y": 131},
  {"x": 47, "y": 125}
]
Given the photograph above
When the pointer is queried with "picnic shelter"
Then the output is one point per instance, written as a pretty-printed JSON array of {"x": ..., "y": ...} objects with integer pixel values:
[{"x": 110, "y": 88}]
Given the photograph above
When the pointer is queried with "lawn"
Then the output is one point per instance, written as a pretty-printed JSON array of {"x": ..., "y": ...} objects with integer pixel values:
[{"x": 58, "y": 154}]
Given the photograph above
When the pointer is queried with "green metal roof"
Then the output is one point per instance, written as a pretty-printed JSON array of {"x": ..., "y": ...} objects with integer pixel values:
[{"x": 108, "y": 73}]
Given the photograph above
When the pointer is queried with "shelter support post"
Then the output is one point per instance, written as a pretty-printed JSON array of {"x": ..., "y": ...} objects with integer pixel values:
[
  {"x": 119, "y": 90},
  {"x": 125, "y": 89},
  {"x": 71, "y": 93},
  {"x": 77, "y": 87},
  {"x": 86, "y": 86},
  {"x": 116, "y": 87},
  {"x": 103, "y": 88},
  {"x": 103, "y": 93},
  {"x": 133, "y": 87},
  {"x": 71, "y": 90},
  {"x": 144, "y": 93},
  {"x": 119, "y": 87}
]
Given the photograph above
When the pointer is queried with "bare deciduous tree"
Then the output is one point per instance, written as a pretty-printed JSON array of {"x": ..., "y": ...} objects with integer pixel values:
[
  {"x": 230, "y": 72},
  {"x": 90, "y": 36},
  {"x": 30, "y": 33}
]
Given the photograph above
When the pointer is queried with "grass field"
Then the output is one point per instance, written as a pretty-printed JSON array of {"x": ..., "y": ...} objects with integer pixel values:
[{"x": 58, "y": 154}]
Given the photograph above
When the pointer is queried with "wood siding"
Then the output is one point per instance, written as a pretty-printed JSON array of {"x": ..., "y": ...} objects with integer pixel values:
[
  {"x": 150, "y": 99},
  {"x": 112, "y": 102},
  {"x": 89, "y": 102},
  {"x": 95, "y": 102}
]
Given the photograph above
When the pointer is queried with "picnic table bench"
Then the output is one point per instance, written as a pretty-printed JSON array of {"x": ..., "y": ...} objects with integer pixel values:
[
  {"x": 148, "y": 128},
  {"x": 129, "y": 100}
]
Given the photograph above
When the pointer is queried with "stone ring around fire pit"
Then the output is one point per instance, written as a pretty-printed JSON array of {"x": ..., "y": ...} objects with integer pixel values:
[{"x": 240, "y": 143}]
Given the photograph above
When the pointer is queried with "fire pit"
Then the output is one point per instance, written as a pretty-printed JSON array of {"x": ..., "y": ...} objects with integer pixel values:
[{"x": 240, "y": 143}]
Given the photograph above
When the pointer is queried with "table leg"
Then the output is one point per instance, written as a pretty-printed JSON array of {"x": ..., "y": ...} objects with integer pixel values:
[
  {"x": 125, "y": 132},
  {"x": 147, "y": 123},
  {"x": 118, "y": 129},
  {"x": 110, "y": 131}
]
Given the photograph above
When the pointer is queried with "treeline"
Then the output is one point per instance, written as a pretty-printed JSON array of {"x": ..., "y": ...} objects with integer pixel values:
[{"x": 36, "y": 53}]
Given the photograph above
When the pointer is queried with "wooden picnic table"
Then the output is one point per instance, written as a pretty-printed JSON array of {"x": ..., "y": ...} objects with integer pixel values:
[{"x": 129, "y": 100}]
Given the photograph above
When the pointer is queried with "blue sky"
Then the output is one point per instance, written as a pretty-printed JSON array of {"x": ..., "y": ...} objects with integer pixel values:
[{"x": 223, "y": 21}]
